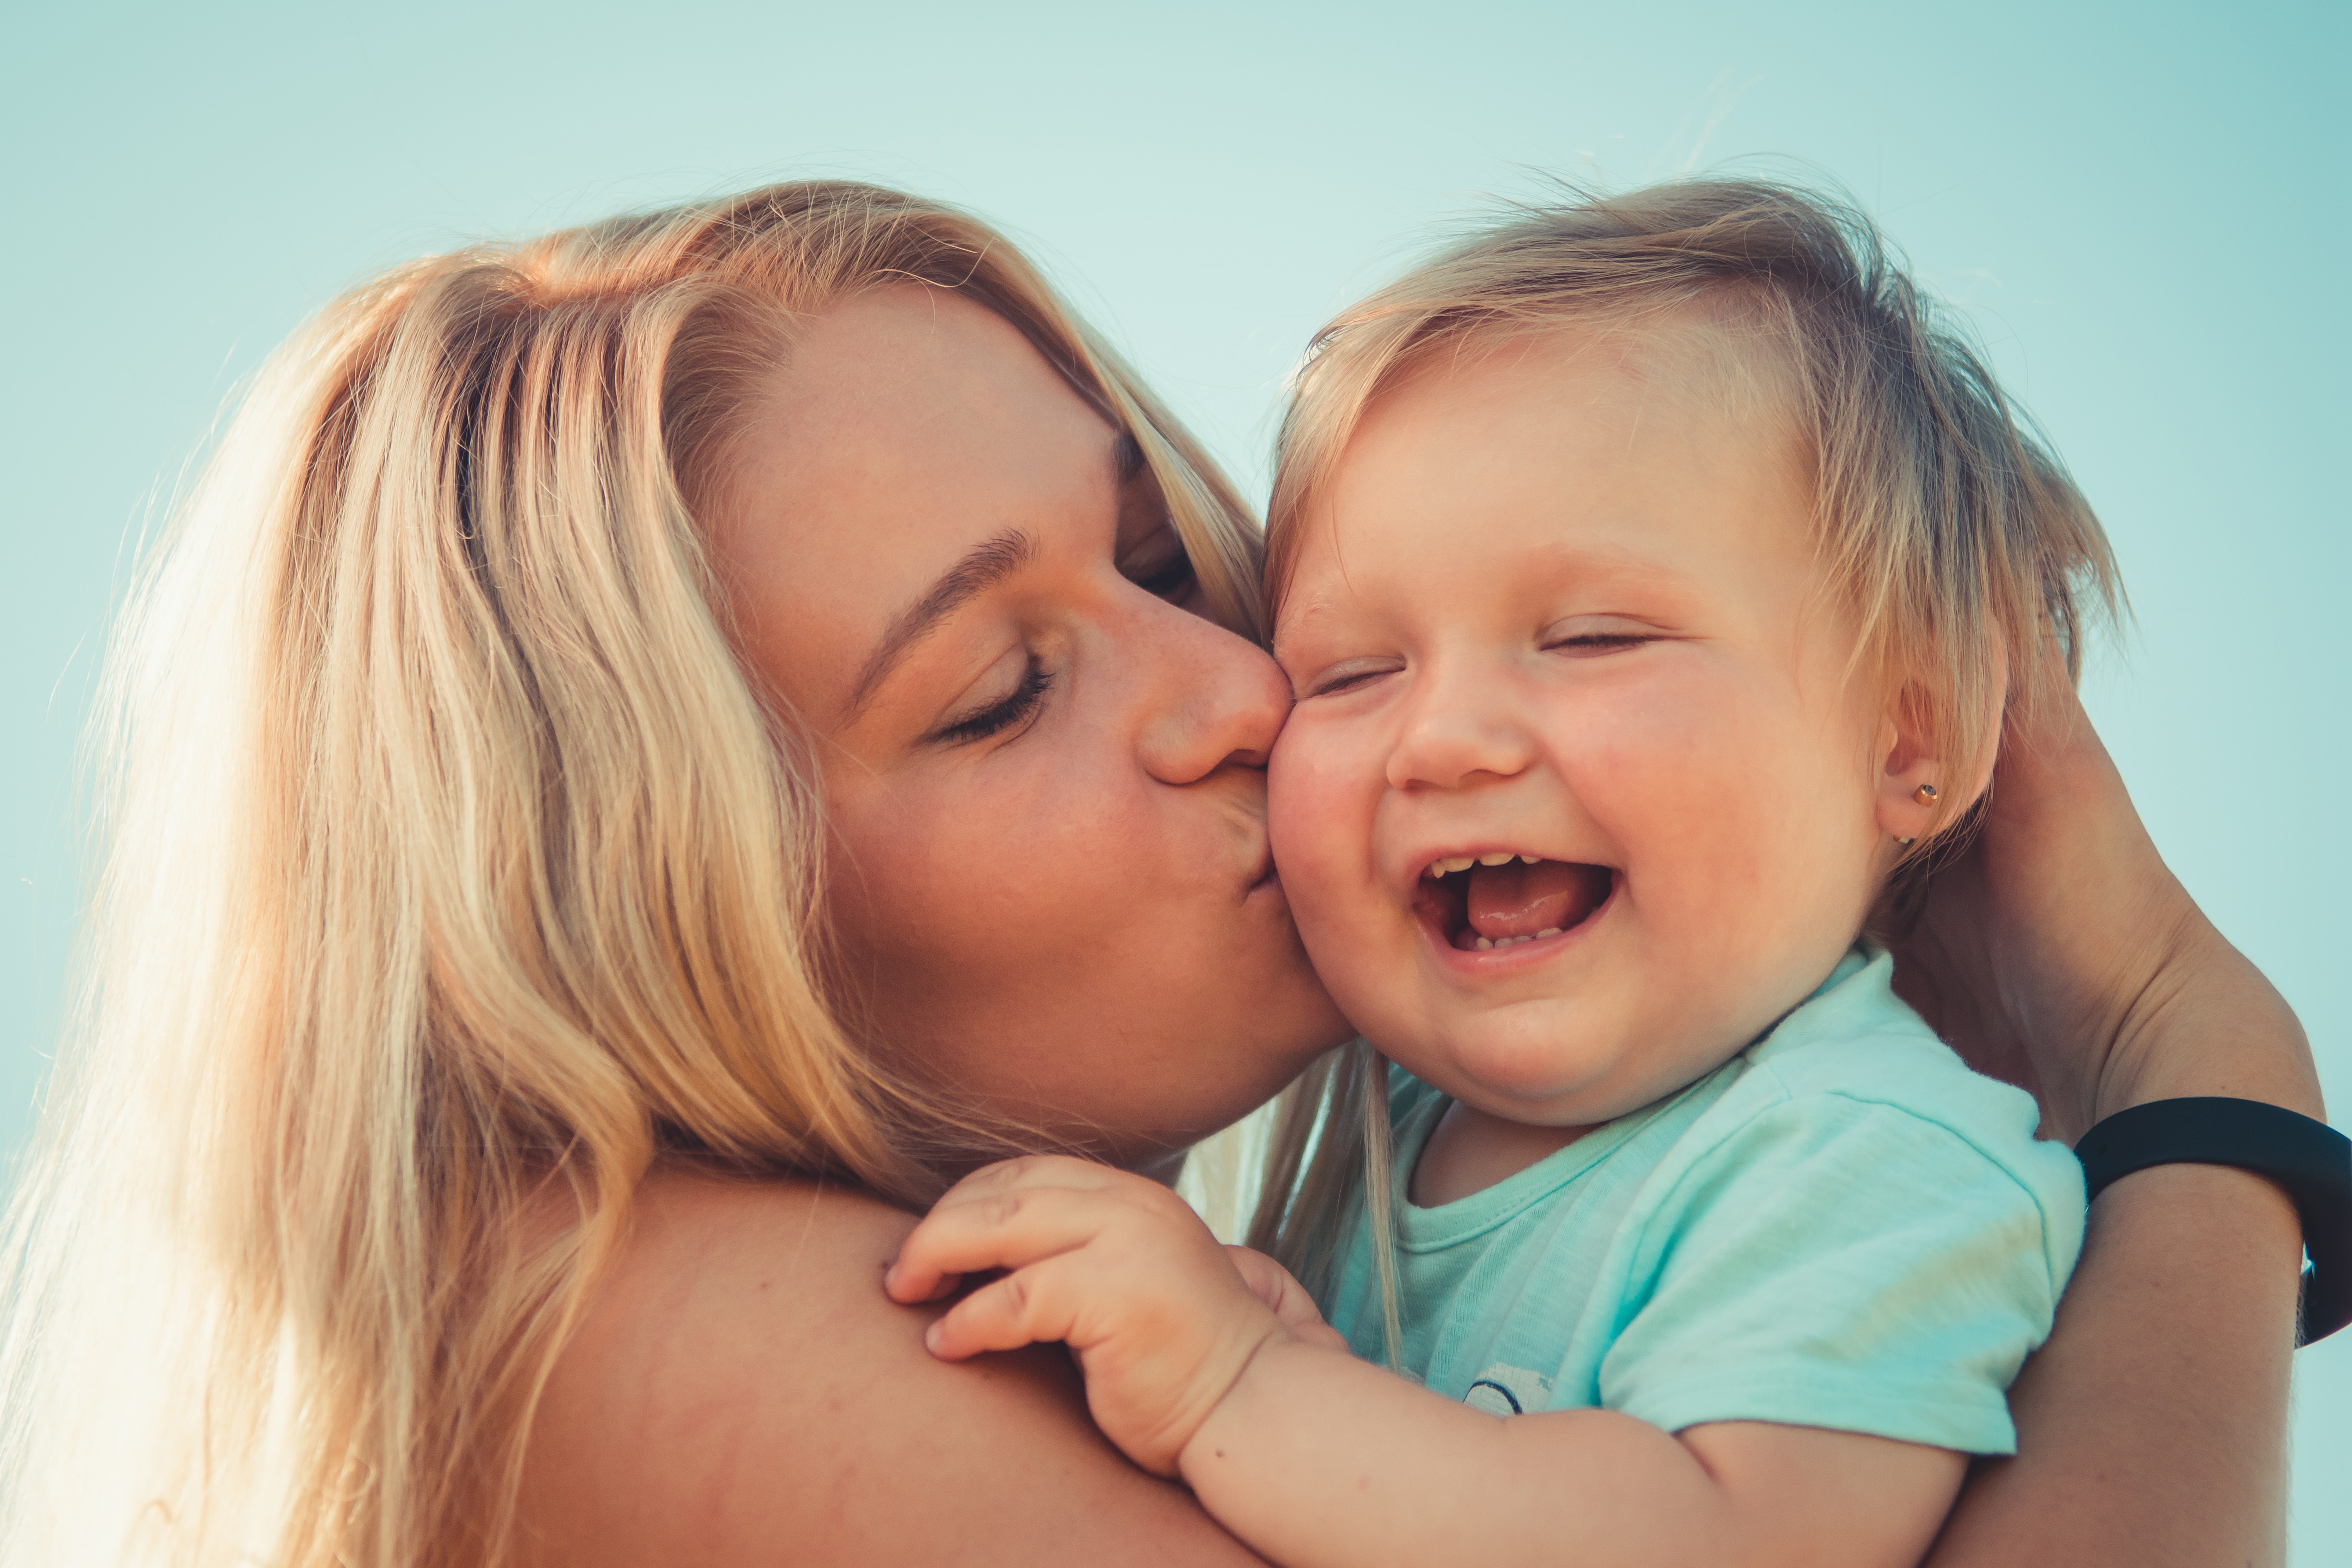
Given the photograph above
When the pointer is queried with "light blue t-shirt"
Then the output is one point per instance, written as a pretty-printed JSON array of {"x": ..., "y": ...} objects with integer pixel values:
[{"x": 1842, "y": 1227}]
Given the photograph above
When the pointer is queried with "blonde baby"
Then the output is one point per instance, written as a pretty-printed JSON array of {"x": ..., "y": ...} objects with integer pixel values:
[{"x": 1653, "y": 574}]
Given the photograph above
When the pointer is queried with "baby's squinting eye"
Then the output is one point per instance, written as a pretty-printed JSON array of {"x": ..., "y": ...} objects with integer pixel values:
[
  {"x": 1589, "y": 645},
  {"x": 1596, "y": 636},
  {"x": 1345, "y": 678}
]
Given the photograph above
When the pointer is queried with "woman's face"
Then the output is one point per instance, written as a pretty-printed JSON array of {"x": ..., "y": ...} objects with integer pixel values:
[{"x": 1043, "y": 768}]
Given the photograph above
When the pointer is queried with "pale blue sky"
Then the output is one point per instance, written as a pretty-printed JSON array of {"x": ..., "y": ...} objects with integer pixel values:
[{"x": 2142, "y": 208}]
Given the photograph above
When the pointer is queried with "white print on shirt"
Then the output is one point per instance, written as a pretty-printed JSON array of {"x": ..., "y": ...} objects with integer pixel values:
[{"x": 1503, "y": 1390}]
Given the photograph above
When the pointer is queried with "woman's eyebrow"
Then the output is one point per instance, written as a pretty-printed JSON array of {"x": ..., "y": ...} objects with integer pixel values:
[{"x": 988, "y": 563}]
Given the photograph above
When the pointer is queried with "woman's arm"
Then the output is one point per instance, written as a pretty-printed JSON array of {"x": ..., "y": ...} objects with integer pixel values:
[
  {"x": 743, "y": 1393},
  {"x": 2152, "y": 1428},
  {"x": 2062, "y": 955}
]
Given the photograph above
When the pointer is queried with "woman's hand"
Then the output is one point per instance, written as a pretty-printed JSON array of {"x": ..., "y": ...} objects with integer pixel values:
[
  {"x": 2058, "y": 952},
  {"x": 1162, "y": 1318}
]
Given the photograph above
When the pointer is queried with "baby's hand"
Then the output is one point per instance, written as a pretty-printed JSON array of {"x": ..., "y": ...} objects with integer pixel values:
[
  {"x": 1162, "y": 1318},
  {"x": 1286, "y": 1297}
]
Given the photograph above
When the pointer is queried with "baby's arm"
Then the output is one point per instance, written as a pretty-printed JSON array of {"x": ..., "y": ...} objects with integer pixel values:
[{"x": 1314, "y": 1457}]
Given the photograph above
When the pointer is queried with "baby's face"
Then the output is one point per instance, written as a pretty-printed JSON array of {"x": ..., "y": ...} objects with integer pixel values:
[{"x": 1558, "y": 620}]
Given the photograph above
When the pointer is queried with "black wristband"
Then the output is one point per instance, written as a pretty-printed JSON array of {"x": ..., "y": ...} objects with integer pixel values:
[{"x": 2310, "y": 1160}]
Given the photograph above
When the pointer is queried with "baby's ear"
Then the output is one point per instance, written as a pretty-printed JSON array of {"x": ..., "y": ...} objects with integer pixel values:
[{"x": 1921, "y": 789}]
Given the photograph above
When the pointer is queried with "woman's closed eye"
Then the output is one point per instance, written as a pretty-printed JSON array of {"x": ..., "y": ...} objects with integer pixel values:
[
  {"x": 1018, "y": 706},
  {"x": 1159, "y": 566},
  {"x": 1171, "y": 581}
]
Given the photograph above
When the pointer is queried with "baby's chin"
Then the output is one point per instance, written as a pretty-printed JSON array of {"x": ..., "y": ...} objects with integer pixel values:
[{"x": 1542, "y": 1061}]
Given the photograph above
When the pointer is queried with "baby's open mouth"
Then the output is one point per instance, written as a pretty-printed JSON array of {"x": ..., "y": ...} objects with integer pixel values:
[{"x": 1500, "y": 900}]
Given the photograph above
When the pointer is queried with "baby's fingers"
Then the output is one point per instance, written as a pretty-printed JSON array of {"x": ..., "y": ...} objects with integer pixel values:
[
  {"x": 1005, "y": 1229},
  {"x": 1274, "y": 1286},
  {"x": 1024, "y": 1308}
]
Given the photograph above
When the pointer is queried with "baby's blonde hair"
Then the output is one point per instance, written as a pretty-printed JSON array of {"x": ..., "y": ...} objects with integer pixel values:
[
  {"x": 455, "y": 872},
  {"x": 1940, "y": 515}
]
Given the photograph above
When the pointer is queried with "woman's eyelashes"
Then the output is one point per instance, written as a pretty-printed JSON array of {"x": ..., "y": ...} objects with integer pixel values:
[
  {"x": 1161, "y": 568},
  {"x": 1016, "y": 706}
]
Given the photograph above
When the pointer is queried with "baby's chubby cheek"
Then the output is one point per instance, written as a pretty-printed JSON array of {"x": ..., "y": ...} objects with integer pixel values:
[{"x": 1319, "y": 821}]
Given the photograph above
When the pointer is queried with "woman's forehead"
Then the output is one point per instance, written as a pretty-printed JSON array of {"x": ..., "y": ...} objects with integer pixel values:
[
  {"x": 920, "y": 389},
  {"x": 907, "y": 428}
]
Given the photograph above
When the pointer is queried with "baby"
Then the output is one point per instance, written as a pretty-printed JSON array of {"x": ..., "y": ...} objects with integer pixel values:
[{"x": 1652, "y": 574}]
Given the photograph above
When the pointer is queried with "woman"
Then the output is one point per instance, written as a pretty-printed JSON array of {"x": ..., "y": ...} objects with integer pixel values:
[{"x": 655, "y": 749}]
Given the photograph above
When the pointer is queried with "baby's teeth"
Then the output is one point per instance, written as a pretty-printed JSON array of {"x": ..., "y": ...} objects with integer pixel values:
[
  {"x": 1502, "y": 858},
  {"x": 1485, "y": 942},
  {"x": 1459, "y": 863},
  {"x": 1549, "y": 931},
  {"x": 1532, "y": 859}
]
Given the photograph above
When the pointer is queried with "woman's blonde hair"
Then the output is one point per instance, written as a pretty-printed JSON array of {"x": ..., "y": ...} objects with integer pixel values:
[
  {"x": 454, "y": 872},
  {"x": 1942, "y": 518}
]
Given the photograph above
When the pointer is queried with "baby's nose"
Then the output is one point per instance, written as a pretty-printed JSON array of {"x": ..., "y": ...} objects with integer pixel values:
[{"x": 1454, "y": 734}]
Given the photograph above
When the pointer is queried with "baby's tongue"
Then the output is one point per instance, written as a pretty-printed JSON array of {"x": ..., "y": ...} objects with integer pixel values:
[{"x": 1521, "y": 899}]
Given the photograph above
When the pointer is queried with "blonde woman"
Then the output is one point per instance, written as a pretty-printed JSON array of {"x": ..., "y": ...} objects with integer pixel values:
[{"x": 657, "y": 747}]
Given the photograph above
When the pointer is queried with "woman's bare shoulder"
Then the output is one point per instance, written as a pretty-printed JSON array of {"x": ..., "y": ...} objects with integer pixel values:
[{"x": 741, "y": 1392}]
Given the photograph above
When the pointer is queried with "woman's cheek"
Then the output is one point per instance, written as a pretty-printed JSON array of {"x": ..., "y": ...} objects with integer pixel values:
[{"x": 941, "y": 883}]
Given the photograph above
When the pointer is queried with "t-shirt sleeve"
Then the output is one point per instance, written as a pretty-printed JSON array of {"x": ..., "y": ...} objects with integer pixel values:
[{"x": 1839, "y": 1263}]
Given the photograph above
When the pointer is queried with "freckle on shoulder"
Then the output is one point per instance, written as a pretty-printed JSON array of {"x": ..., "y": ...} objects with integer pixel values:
[{"x": 754, "y": 1234}]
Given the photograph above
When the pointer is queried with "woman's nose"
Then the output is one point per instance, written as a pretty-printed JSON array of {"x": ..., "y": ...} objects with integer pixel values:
[
  {"x": 1459, "y": 724},
  {"x": 1213, "y": 697}
]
